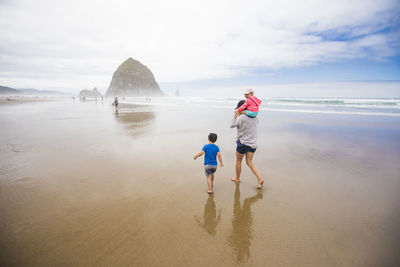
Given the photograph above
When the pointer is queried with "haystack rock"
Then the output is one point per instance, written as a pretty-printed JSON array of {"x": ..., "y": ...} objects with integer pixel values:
[
  {"x": 132, "y": 78},
  {"x": 90, "y": 93}
]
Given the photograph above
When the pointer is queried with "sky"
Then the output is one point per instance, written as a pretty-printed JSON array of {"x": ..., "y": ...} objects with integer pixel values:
[{"x": 192, "y": 45}]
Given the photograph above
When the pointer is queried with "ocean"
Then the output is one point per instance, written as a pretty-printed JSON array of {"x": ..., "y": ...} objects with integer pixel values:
[{"x": 340, "y": 106}]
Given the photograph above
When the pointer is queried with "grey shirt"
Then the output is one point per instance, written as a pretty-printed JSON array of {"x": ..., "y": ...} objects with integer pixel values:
[{"x": 246, "y": 130}]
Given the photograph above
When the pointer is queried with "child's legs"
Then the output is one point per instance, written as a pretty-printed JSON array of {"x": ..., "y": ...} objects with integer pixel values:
[
  {"x": 251, "y": 114},
  {"x": 209, "y": 183},
  {"x": 209, "y": 171}
]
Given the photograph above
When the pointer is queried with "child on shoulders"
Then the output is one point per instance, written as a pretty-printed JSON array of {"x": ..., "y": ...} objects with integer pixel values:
[{"x": 251, "y": 106}]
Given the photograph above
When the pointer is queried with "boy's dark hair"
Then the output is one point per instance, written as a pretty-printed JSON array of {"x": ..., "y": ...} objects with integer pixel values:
[{"x": 212, "y": 137}]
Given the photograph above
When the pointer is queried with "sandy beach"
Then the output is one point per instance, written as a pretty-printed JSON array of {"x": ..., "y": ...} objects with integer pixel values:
[
  {"x": 13, "y": 100},
  {"x": 83, "y": 186}
]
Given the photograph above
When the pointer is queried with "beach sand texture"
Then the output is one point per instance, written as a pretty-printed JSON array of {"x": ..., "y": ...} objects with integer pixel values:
[{"x": 83, "y": 186}]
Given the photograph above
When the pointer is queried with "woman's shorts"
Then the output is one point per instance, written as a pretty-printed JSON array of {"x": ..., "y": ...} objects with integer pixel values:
[
  {"x": 243, "y": 149},
  {"x": 209, "y": 169}
]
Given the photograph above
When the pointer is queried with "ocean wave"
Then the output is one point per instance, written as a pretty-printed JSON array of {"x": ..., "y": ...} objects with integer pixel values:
[
  {"x": 339, "y": 112},
  {"x": 338, "y": 102},
  {"x": 359, "y": 106}
]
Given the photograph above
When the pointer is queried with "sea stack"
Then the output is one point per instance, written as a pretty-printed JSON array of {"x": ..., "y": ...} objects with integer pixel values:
[
  {"x": 132, "y": 78},
  {"x": 90, "y": 93}
]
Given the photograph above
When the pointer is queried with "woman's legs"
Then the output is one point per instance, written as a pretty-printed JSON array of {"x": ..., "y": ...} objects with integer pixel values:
[
  {"x": 252, "y": 166},
  {"x": 238, "y": 166}
]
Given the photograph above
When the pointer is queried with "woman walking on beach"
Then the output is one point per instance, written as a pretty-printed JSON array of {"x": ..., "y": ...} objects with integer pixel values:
[
  {"x": 246, "y": 143},
  {"x": 115, "y": 103}
]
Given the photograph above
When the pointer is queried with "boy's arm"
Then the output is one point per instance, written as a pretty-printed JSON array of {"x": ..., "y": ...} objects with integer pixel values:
[
  {"x": 220, "y": 159},
  {"x": 201, "y": 153}
]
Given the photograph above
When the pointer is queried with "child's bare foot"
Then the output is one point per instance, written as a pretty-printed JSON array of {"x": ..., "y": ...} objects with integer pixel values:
[
  {"x": 260, "y": 184},
  {"x": 235, "y": 180},
  {"x": 210, "y": 192}
]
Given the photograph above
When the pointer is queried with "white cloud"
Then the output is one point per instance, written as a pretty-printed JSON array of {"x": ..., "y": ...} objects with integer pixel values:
[{"x": 76, "y": 44}]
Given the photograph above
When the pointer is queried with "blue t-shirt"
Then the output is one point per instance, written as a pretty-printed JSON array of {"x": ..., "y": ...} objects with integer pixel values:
[{"x": 210, "y": 157}]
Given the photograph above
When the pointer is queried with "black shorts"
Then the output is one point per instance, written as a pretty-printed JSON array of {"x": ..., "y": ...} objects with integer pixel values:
[{"x": 243, "y": 149}]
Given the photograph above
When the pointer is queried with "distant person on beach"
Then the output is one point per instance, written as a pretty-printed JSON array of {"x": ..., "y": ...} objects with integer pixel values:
[
  {"x": 251, "y": 106},
  {"x": 115, "y": 103},
  {"x": 246, "y": 143},
  {"x": 211, "y": 151}
]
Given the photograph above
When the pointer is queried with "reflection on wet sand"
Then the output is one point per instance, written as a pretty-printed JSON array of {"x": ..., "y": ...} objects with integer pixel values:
[
  {"x": 242, "y": 225},
  {"x": 134, "y": 116},
  {"x": 210, "y": 219}
]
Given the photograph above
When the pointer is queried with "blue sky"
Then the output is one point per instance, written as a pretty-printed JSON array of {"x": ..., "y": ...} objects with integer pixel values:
[{"x": 69, "y": 45}]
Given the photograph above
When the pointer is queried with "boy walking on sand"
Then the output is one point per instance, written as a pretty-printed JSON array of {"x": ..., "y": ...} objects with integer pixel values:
[{"x": 211, "y": 152}]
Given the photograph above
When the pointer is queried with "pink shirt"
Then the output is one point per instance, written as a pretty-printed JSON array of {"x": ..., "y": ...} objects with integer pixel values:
[{"x": 252, "y": 103}]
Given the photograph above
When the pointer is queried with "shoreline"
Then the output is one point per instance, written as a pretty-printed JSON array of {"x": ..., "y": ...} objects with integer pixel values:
[{"x": 13, "y": 100}]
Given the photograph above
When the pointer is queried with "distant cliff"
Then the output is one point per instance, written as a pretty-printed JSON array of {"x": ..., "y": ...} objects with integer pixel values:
[
  {"x": 132, "y": 78},
  {"x": 4, "y": 90},
  {"x": 90, "y": 93}
]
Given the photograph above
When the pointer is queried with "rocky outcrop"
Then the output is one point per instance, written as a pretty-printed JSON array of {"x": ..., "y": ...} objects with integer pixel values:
[
  {"x": 132, "y": 78},
  {"x": 90, "y": 93}
]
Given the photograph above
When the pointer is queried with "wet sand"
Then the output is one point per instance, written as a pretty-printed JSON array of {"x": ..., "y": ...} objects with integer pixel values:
[
  {"x": 81, "y": 185},
  {"x": 5, "y": 100}
]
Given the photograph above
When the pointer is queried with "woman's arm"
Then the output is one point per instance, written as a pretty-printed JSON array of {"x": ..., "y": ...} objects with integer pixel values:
[{"x": 235, "y": 121}]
